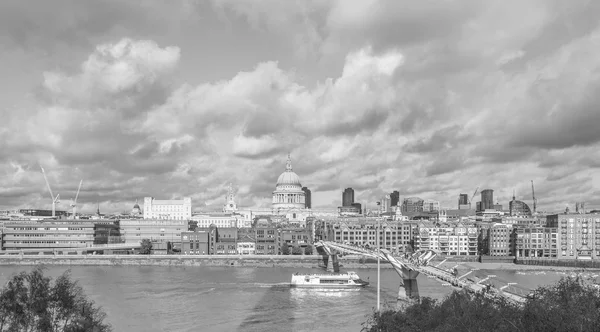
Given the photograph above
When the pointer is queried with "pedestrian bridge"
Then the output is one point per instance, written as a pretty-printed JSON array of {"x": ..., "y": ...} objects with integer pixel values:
[{"x": 410, "y": 266}]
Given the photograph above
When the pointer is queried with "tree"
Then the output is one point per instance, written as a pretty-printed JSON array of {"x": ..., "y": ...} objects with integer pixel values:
[
  {"x": 285, "y": 249},
  {"x": 308, "y": 250},
  {"x": 31, "y": 302},
  {"x": 145, "y": 247},
  {"x": 296, "y": 250},
  {"x": 568, "y": 305}
]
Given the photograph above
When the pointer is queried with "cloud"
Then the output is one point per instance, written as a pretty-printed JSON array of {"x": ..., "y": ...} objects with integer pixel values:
[{"x": 426, "y": 98}]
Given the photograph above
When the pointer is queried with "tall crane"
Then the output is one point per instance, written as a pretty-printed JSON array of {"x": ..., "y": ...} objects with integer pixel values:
[
  {"x": 54, "y": 198},
  {"x": 475, "y": 193},
  {"x": 534, "y": 199},
  {"x": 74, "y": 202}
]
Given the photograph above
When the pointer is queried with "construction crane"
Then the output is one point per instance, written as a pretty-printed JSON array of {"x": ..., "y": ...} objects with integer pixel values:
[
  {"x": 471, "y": 200},
  {"x": 54, "y": 198},
  {"x": 534, "y": 199},
  {"x": 74, "y": 202}
]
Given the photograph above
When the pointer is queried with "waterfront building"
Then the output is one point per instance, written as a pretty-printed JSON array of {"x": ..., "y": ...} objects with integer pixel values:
[
  {"x": 536, "y": 242},
  {"x": 347, "y": 197},
  {"x": 295, "y": 236},
  {"x": 172, "y": 209},
  {"x": 267, "y": 237},
  {"x": 135, "y": 230},
  {"x": 226, "y": 241},
  {"x": 107, "y": 231},
  {"x": 197, "y": 242},
  {"x": 246, "y": 245},
  {"x": 26, "y": 234},
  {"x": 364, "y": 232},
  {"x": 499, "y": 239},
  {"x": 459, "y": 240},
  {"x": 579, "y": 235}
]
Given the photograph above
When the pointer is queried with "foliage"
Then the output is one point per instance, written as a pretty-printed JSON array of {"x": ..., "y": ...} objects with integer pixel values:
[
  {"x": 145, "y": 247},
  {"x": 568, "y": 305},
  {"x": 308, "y": 250},
  {"x": 285, "y": 249},
  {"x": 31, "y": 302},
  {"x": 296, "y": 250}
]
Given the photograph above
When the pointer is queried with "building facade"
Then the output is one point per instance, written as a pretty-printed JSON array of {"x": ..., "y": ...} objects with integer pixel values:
[
  {"x": 579, "y": 235},
  {"x": 135, "y": 230},
  {"x": 499, "y": 240},
  {"x": 487, "y": 199},
  {"x": 24, "y": 234},
  {"x": 307, "y": 198},
  {"x": 412, "y": 204},
  {"x": 167, "y": 209},
  {"x": 347, "y": 197},
  {"x": 219, "y": 220},
  {"x": 458, "y": 240}
]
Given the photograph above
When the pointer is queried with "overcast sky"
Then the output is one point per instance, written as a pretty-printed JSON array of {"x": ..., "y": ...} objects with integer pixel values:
[{"x": 179, "y": 98}]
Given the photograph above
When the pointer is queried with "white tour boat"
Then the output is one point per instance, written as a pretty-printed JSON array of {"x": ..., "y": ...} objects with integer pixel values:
[{"x": 334, "y": 280}]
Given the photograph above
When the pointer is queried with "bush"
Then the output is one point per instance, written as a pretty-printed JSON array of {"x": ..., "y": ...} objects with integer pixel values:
[
  {"x": 569, "y": 305},
  {"x": 285, "y": 249},
  {"x": 31, "y": 302},
  {"x": 145, "y": 247},
  {"x": 296, "y": 250},
  {"x": 308, "y": 250}
]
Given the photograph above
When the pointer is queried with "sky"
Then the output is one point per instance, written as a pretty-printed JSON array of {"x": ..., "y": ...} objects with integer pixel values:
[{"x": 180, "y": 98}]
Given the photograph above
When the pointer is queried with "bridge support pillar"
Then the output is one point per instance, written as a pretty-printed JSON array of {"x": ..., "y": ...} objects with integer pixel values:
[
  {"x": 332, "y": 263},
  {"x": 408, "y": 291}
]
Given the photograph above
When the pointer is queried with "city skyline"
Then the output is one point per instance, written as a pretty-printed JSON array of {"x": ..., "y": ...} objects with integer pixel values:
[{"x": 175, "y": 100}]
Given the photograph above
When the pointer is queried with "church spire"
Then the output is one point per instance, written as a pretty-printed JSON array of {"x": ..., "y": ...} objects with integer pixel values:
[{"x": 288, "y": 166}]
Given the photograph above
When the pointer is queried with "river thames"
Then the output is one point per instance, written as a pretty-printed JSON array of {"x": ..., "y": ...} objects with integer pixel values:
[{"x": 157, "y": 298}]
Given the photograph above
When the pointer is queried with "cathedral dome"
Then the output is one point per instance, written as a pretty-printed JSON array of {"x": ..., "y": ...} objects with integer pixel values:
[{"x": 289, "y": 178}]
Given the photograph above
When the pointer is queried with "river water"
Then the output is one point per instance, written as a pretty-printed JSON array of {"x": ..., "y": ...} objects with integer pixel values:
[{"x": 158, "y": 298}]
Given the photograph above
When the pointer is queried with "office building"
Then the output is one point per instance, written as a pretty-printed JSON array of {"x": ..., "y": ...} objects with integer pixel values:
[
  {"x": 172, "y": 209},
  {"x": 412, "y": 204},
  {"x": 25, "y": 234},
  {"x": 156, "y": 230},
  {"x": 430, "y": 205},
  {"x": 348, "y": 197},
  {"x": 487, "y": 199},
  {"x": 307, "y": 198},
  {"x": 395, "y": 197},
  {"x": 463, "y": 200},
  {"x": 499, "y": 239},
  {"x": 536, "y": 242}
]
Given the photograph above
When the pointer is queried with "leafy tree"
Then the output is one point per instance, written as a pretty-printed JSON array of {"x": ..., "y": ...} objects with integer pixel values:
[
  {"x": 285, "y": 250},
  {"x": 308, "y": 250},
  {"x": 569, "y": 305},
  {"x": 145, "y": 247},
  {"x": 31, "y": 302},
  {"x": 296, "y": 250}
]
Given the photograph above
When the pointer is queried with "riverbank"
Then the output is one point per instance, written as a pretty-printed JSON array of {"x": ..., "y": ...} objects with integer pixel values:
[{"x": 300, "y": 261}]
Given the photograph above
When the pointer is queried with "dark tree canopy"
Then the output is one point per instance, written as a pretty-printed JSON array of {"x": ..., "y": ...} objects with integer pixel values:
[
  {"x": 32, "y": 302},
  {"x": 145, "y": 247},
  {"x": 285, "y": 249},
  {"x": 308, "y": 250},
  {"x": 569, "y": 305},
  {"x": 296, "y": 250}
]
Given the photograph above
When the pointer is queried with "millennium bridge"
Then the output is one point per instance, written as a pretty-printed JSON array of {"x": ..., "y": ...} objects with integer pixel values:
[{"x": 410, "y": 266}]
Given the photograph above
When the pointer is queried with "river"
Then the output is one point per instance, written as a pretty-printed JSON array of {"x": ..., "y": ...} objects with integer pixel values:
[{"x": 159, "y": 298}]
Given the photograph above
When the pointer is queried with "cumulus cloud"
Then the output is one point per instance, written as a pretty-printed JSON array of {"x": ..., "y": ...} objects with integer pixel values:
[{"x": 430, "y": 99}]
